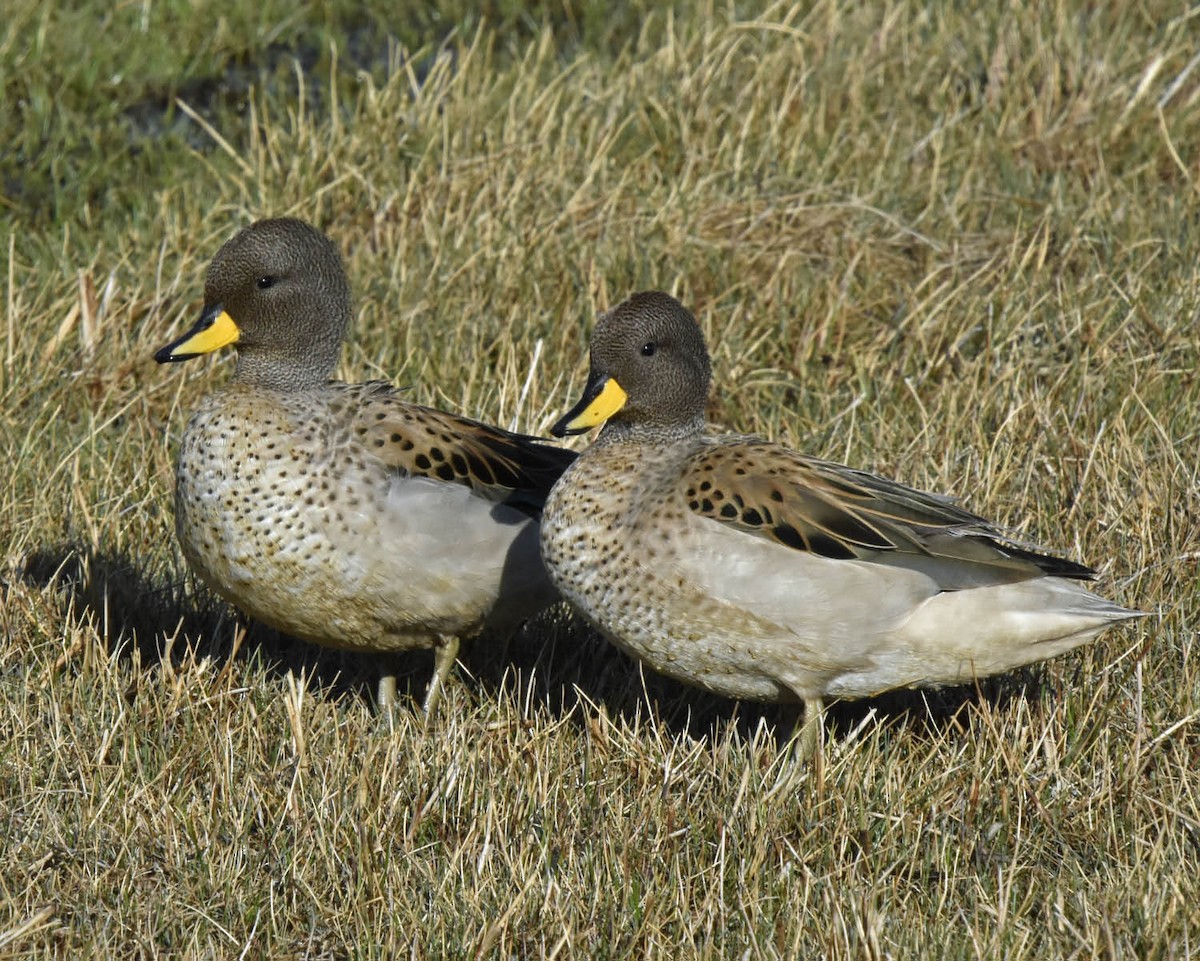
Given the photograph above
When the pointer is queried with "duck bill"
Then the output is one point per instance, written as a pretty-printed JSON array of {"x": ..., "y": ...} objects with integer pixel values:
[
  {"x": 602, "y": 398},
  {"x": 215, "y": 329}
]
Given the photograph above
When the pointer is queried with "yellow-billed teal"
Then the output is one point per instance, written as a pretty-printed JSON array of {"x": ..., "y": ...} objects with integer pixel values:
[
  {"x": 339, "y": 513},
  {"x": 754, "y": 571}
]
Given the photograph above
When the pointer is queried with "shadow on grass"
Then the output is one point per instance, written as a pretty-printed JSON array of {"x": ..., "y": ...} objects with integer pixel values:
[
  {"x": 160, "y": 618},
  {"x": 556, "y": 661}
]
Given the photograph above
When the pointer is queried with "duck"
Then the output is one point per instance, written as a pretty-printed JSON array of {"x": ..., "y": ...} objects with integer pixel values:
[
  {"x": 340, "y": 513},
  {"x": 754, "y": 571}
]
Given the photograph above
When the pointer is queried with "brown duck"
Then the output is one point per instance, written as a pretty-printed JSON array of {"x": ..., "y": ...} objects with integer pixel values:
[
  {"x": 339, "y": 513},
  {"x": 754, "y": 571}
]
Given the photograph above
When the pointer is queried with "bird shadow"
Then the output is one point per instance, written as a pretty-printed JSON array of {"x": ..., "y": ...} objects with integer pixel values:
[
  {"x": 167, "y": 620},
  {"x": 559, "y": 662},
  {"x": 555, "y": 662}
]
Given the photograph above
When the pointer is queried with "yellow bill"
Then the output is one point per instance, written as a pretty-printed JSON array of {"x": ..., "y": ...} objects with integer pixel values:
[
  {"x": 215, "y": 329},
  {"x": 602, "y": 397}
]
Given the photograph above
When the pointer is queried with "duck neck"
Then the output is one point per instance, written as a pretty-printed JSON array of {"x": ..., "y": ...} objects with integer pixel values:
[
  {"x": 618, "y": 431},
  {"x": 275, "y": 373}
]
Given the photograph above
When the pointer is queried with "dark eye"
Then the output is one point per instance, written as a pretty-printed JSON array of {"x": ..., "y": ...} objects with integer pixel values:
[
  {"x": 266, "y": 282},
  {"x": 649, "y": 349}
]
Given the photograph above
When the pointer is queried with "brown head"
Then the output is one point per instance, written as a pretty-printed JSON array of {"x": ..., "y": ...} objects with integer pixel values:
[
  {"x": 278, "y": 292},
  {"x": 649, "y": 372}
]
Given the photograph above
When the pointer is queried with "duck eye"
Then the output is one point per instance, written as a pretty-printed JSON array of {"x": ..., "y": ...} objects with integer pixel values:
[
  {"x": 263, "y": 283},
  {"x": 649, "y": 349}
]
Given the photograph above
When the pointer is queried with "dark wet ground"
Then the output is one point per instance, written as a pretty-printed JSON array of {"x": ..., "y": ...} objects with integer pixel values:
[
  {"x": 40, "y": 178},
  {"x": 276, "y": 73},
  {"x": 73, "y": 139}
]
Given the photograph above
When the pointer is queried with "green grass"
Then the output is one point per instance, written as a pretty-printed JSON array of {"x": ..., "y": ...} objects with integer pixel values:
[{"x": 957, "y": 247}]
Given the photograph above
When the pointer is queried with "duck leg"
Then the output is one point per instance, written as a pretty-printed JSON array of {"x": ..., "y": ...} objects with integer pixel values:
[
  {"x": 806, "y": 747},
  {"x": 385, "y": 693},
  {"x": 444, "y": 656},
  {"x": 811, "y": 730},
  {"x": 810, "y": 745}
]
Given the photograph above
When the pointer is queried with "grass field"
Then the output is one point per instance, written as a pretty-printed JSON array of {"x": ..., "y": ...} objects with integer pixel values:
[{"x": 961, "y": 248}]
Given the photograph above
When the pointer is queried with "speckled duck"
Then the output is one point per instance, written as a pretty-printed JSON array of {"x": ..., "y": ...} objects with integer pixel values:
[
  {"x": 754, "y": 571},
  {"x": 339, "y": 513}
]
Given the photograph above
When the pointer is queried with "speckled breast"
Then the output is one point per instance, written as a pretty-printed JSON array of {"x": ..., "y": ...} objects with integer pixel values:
[
  {"x": 611, "y": 539},
  {"x": 244, "y": 504}
]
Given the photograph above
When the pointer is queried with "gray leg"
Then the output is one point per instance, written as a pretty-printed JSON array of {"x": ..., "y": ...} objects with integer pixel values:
[
  {"x": 811, "y": 735},
  {"x": 807, "y": 742},
  {"x": 385, "y": 693},
  {"x": 444, "y": 656},
  {"x": 811, "y": 743}
]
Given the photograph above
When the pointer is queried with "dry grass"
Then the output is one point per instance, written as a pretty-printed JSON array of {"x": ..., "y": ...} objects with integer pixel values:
[{"x": 956, "y": 247}]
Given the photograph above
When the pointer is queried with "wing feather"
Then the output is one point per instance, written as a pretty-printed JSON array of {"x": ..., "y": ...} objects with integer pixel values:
[
  {"x": 825, "y": 508},
  {"x": 421, "y": 441}
]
